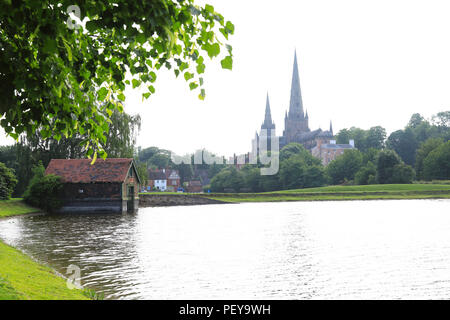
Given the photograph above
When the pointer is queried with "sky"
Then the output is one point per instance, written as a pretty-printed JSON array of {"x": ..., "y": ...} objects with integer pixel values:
[{"x": 361, "y": 63}]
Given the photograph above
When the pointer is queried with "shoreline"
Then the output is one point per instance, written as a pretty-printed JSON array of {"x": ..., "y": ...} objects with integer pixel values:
[{"x": 24, "y": 278}]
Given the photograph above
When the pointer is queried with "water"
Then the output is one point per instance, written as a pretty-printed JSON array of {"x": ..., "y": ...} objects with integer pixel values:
[{"x": 292, "y": 250}]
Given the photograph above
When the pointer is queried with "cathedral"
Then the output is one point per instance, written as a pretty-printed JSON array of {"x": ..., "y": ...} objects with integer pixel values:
[{"x": 296, "y": 127}]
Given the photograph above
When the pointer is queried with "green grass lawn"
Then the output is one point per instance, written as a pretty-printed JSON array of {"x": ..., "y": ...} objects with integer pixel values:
[
  {"x": 21, "y": 278},
  {"x": 14, "y": 207},
  {"x": 370, "y": 192}
]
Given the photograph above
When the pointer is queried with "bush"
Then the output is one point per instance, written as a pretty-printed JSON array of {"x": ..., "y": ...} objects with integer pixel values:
[
  {"x": 44, "y": 191},
  {"x": 7, "y": 182},
  {"x": 366, "y": 175},
  {"x": 403, "y": 173},
  {"x": 344, "y": 167},
  {"x": 436, "y": 165}
]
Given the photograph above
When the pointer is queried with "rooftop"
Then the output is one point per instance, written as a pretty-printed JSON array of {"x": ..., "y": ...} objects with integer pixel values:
[{"x": 81, "y": 170}]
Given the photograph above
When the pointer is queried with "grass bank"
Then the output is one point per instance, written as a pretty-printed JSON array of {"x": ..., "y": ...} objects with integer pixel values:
[
  {"x": 21, "y": 278},
  {"x": 15, "y": 207},
  {"x": 370, "y": 192}
]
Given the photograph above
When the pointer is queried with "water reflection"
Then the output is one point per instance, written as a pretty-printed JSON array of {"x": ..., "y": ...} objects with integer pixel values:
[{"x": 295, "y": 250}]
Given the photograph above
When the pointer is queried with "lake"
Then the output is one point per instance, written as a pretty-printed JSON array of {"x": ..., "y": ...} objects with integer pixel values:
[{"x": 396, "y": 249}]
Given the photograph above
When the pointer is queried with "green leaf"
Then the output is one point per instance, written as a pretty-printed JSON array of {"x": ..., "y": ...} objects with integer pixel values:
[
  {"x": 69, "y": 51},
  {"x": 92, "y": 25},
  {"x": 151, "y": 89},
  {"x": 212, "y": 49},
  {"x": 227, "y": 63},
  {"x": 121, "y": 97},
  {"x": 230, "y": 27},
  {"x": 49, "y": 45},
  {"x": 136, "y": 83},
  {"x": 188, "y": 75},
  {"x": 141, "y": 38},
  {"x": 200, "y": 68},
  {"x": 101, "y": 94},
  {"x": 201, "y": 96},
  {"x": 146, "y": 95},
  {"x": 193, "y": 85},
  {"x": 153, "y": 76},
  {"x": 209, "y": 8}
]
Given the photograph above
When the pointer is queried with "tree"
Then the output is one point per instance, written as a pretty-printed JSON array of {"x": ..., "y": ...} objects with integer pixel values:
[
  {"x": 62, "y": 77},
  {"x": 44, "y": 191},
  {"x": 345, "y": 166},
  {"x": 404, "y": 143},
  {"x": 437, "y": 163},
  {"x": 386, "y": 161},
  {"x": 141, "y": 168},
  {"x": 122, "y": 135},
  {"x": 292, "y": 171},
  {"x": 227, "y": 180},
  {"x": 7, "y": 182},
  {"x": 367, "y": 174},
  {"x": 403, "y": 173},
  {"x": 159, "y": 160},
  {"x": 375, "y": 138},
  {"x": 423, "y": 151},
  {"x": 185, "y": 171}
]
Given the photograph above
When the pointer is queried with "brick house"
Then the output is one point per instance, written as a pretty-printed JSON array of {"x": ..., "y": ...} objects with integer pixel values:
[
  {"x": 164, "y": 179},
  {"x": 194, "y": 186},
  {"x": 173, "y": 180},
  {"x": 110, "y": 185},
  {"x": 327, "y": 152}
]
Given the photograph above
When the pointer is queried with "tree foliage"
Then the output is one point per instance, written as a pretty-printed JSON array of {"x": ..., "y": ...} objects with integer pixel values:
[
  {"x": 344, "y": 167},
  {"x": 44, "y": 191},
  {"x": 64, "y": 78},
  {"x": 436, "y": 165},
  {"x": 7, "y": 181},
  {"x": 364, "y": 139}
]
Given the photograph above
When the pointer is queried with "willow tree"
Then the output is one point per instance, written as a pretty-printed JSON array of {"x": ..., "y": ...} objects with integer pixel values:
[{"x": 63, "y": 67}]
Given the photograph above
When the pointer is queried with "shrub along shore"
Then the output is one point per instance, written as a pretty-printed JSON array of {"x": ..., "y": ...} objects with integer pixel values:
[{"x": 21, "y": 278}]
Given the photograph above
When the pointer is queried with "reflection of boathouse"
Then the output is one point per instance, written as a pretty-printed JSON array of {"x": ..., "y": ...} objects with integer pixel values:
[{"x": 110, "y": 185}]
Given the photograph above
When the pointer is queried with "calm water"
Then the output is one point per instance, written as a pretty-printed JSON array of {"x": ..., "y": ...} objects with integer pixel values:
[{"x": 294, "y": 250}]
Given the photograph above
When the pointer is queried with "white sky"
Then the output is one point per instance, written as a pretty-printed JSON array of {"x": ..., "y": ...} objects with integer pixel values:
[{"x": 361, "y": 63}]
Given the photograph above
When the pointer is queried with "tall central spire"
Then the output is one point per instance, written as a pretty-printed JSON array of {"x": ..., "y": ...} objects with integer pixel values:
[{"x": 296, "y": 104}]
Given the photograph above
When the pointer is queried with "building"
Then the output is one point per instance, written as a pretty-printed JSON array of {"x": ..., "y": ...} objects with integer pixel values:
[
  {"x": 173, "y": 180},
  {"x": 327, "y": 152},
  {"x": 110, "y": 185},
  {"x": 194, "y": 186},
  {"x": 157, "y": 180},
  {"x": 296, "y": 120},
  {"x": 164, "y": 179}
]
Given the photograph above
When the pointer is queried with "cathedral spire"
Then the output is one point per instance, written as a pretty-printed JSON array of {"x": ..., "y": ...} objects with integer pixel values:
[
  {"x": 296, "y": 104},
  {"x": 268, "y": 123},
  {"x": 331, "y": 127}
]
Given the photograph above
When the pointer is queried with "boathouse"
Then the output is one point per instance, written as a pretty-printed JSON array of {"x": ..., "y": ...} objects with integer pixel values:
[{"x": 110, "y": 185}]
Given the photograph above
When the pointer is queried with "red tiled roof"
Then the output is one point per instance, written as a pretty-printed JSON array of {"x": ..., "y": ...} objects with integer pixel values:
[{"x": 81, "y": 170}]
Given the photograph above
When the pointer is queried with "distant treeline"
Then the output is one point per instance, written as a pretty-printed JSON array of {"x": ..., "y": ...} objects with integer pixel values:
[{"x": 420, "y": 151}]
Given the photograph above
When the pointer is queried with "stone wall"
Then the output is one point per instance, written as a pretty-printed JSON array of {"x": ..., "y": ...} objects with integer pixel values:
[{"x": 162, "y": 200}]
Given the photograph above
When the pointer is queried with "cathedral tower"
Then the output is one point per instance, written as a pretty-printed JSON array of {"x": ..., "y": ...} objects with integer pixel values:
[{"x": 295, "y": 121}]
